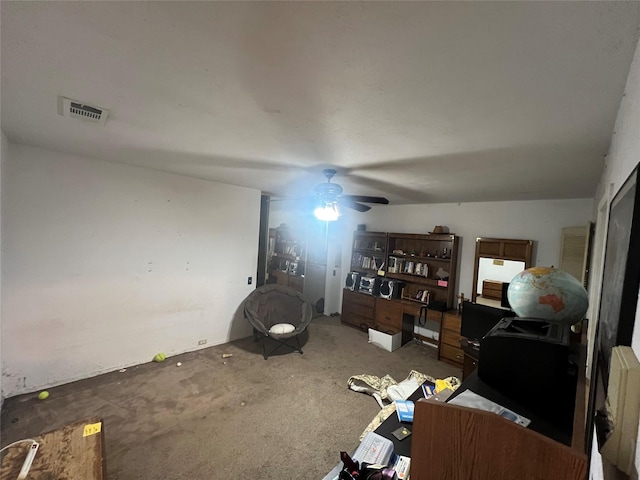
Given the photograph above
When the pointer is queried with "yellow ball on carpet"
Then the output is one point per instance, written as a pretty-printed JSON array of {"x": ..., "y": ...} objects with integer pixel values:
[
  {"x": 159, "y": 357},
  {"x": 43, "y": 395}
]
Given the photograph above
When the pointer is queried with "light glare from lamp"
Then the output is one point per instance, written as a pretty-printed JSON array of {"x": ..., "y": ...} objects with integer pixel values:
[{"x": 328, "y": 213}]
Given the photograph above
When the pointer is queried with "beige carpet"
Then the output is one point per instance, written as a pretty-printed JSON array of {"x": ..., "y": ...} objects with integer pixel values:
[{"x": 284, "y": 418}]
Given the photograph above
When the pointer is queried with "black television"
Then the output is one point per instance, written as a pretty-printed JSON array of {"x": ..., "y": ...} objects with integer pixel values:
[{"x": 478, "y": 319}]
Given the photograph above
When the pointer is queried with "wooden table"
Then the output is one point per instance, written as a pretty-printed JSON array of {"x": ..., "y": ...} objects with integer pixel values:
[{"x": 72, "y": 452}]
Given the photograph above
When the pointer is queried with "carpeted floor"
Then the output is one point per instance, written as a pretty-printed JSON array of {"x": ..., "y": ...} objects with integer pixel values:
[{"x": 240, "y": 417}]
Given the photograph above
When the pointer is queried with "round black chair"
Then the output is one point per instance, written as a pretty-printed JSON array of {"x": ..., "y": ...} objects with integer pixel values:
[{"x": 279, "y": 313}]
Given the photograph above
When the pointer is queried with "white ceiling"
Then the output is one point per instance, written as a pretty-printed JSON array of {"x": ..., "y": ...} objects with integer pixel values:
[{"x": 420, "y": 102}]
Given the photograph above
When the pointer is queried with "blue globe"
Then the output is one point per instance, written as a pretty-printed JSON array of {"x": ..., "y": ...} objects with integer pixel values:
[{"x": 549, "y": 294}]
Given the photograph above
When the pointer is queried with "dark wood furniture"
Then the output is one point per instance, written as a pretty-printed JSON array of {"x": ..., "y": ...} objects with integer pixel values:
[
  {"x": 578, "y": 355},
  {"x": 388, "y": 315},
  {"x": 369, "y": 252},
  {"x": 74, "y": 452},
  {"x": 452, "y": 442},
  {"x": 499, "y": 249},
  {"x": 286, "y": 258},
  {"x": 450, "y": 350},
  {"x": 358, "y": 309},
  {"x": 424, "y": 262},
  {"x": 412, "y": 310},
  {"x": 471, "y": 358},
  {"x": 492, "y": 289}
]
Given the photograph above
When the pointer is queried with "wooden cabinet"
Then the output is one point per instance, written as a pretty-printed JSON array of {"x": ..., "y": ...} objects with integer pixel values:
[
  {"x": 388, "y": 316},
  {"x": 286, "y": 258},
  {"x": 495, "y": 263},
  {"x": 358, "y": 309},
  {"x": 455, "y": 443},
  {"x": 492, "y": 289},
  {"x": 469, "y": 366},
  {"x": 369, "y": 252},
  {"x": 504, "y": 248},
  {"x": 449, "y": 349},
  {"x": 428, "y": 265}
]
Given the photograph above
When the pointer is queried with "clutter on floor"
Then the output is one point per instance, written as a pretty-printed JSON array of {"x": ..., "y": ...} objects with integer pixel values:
[{"x": 388, "y": 389}]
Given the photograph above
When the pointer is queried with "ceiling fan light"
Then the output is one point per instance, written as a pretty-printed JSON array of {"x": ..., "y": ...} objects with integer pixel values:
[{"x": 328, "y": 213}]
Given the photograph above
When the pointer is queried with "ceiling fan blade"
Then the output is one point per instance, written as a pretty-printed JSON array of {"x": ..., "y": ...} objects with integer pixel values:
[
  {"x": 367, "y": 199},
  {"x": 347, "y": 202}
]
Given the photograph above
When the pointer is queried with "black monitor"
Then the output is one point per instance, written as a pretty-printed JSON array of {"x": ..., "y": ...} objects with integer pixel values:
[{"x": 478, "y": 319}]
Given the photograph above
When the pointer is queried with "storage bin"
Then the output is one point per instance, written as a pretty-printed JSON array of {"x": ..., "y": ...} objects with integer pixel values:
[{"x": 388, "y": 341}]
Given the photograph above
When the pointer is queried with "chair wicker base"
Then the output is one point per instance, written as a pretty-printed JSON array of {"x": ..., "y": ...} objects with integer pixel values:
[{"x": 259, "y": 337}]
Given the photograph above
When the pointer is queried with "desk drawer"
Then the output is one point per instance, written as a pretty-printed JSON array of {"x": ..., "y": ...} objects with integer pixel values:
[
  {"x": 360, "y": 299},
  {"x": 357, "y": 320},
  {"x": 492, "y": 289},
  {"x": 358, "y": 310},
  {"x": 451, "y": 322},
  {"x": 450, "y": 338},
  {"x": 450, "y": 354}
]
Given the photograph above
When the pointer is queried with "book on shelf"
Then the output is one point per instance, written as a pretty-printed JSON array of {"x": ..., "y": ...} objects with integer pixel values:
[{"x": 404, "y": 409}]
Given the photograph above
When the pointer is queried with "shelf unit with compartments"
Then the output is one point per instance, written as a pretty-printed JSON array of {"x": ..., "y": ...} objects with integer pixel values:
[
  {"x": 369, "y": 252},
  {"x": 427, "y": 264},
  {"x": 287, "y": 252},
  {"x": 422, "y": 263}
]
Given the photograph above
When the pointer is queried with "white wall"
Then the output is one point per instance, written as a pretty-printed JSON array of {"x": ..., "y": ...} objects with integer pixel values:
[
  {"x": 106, "y": 264},
  {"x": 624, "y": 155}
]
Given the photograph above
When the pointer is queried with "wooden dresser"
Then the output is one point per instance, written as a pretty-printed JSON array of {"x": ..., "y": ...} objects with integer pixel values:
[
  {"x": 449, "y": 349},
  {"x": 358, "y": 309},
  {"x": 492, "y": 289}
]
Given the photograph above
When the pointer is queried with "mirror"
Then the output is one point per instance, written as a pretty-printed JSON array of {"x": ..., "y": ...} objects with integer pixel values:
[{"x": 497, "y": 261}]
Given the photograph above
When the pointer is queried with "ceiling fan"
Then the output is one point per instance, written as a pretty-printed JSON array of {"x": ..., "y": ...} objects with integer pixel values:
[{"x": 331, "y": 199}]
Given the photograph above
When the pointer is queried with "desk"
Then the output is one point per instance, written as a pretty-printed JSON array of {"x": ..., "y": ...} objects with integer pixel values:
[
  {"x": 471, "y": 358},
  {"x": 560, "y": 432},
  {"x": 400, "y": 447},
  {"x": 63, "y": 453}
]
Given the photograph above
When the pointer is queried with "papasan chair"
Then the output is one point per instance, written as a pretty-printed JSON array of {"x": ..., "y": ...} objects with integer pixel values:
[{"x": 279, "y": 313}]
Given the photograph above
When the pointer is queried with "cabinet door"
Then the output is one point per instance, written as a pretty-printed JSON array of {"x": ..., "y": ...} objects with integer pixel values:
[
  {"x": 470, "y": 366},
  {"x": 388, "y": 315}
]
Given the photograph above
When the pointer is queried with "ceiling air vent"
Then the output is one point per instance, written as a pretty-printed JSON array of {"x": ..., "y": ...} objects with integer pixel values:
[{"x": 82, "y": 111}]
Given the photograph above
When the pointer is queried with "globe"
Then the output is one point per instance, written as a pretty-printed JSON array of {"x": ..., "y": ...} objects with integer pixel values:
[{"x": 549, "y": 294}]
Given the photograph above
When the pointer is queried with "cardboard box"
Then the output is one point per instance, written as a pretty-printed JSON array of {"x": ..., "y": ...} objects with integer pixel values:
[{"x": 384, "y": 340}]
